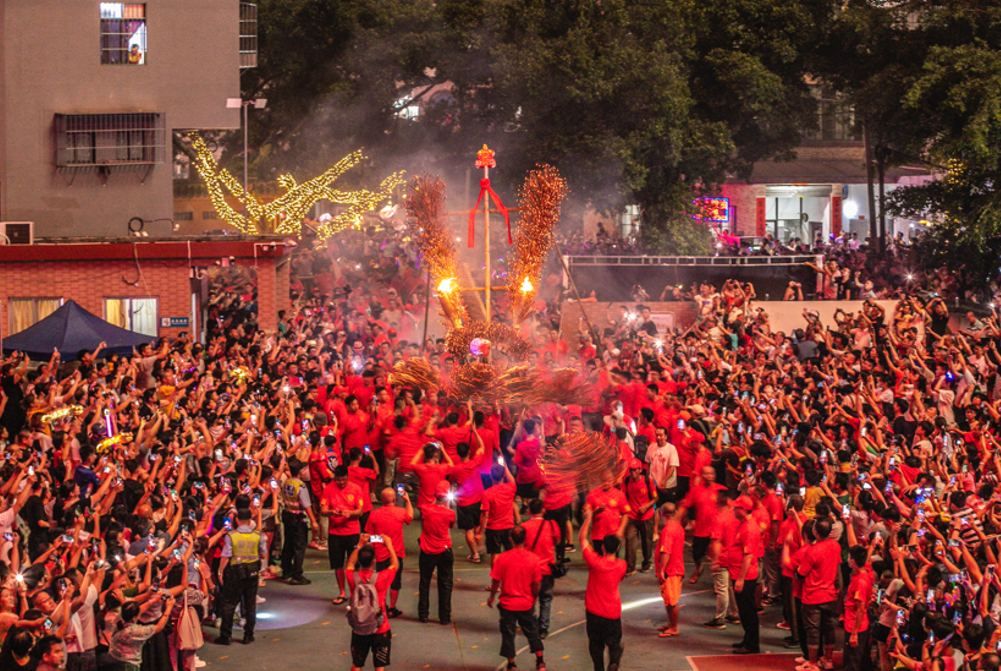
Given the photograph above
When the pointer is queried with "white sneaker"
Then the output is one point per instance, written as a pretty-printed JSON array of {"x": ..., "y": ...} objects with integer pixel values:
[
  {"x": 260, "y": 599},
  {"x": 199, "y": 663}
]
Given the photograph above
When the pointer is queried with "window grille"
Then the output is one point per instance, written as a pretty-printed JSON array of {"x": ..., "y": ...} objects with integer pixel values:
[
  {"x": 86, "y": 140},
  {"x": 248, "y": 35}
]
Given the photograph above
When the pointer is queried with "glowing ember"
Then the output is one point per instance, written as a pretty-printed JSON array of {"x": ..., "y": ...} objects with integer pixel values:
[{"x": 447, "y": 285}]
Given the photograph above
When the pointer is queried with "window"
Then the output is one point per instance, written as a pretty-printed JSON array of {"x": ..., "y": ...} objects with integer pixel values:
[
  {"x": 210, "y": 214},
  {"x": 248, "y": 35},
  {"x": 109, "y": 139},
  {"x": 123, "y": 33},
  {"x": 25, "y": 312},
  {"x": 184, "y": 216},
  {"x": 134, "y": 314},
  {"x": 835, "y": 118}
]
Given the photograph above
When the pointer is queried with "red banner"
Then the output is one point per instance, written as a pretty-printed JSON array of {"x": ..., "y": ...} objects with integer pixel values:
[
  {"x": 835, "y": 215},
  {"x": 762, "y": 224},
  {"x": 485, "y": 188}
]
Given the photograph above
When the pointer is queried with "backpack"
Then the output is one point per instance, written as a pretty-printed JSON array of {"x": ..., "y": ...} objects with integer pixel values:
[
  {"x": 365, "y": 614},
  {"x": 640, "y": 446}
]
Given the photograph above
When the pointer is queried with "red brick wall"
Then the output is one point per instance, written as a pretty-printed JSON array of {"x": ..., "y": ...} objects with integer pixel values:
[{"x": 90, "y": 282}]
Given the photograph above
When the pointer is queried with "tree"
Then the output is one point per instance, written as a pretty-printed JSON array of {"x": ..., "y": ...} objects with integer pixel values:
[{"x": 634, "y": 102}]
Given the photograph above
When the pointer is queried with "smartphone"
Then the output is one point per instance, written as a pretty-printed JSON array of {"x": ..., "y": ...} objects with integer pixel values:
[
  {"x": 107, "y": 469},
  {"x": 864, "y": 431},
  {"x": 846, "y": 512},
  {"x": 921, "y": 533},
  {"x": 47, "y": 624},
  {"x": 375, "y": 539},
  {"x": 681, "y": 424},
  {"x": 931, "y": 634},
  {"x": 866, "y": 485},
  {"x": 198, "y": 564},
  {"x": 305, "y": 424},
  {"x": 953, "y": 543},
  {"x": 989, "y": 571},
  {"x": 780, "y": 489},
  {"x": 888, "y": 489},
  {"x": 400, "y": 489},
  {"x": 257, "y": 500},
  {"x": 823, "y": 457},
  {"x": 740, "y": 427},
  {"x": 218, "y": 455},
  {"x": 177, "y": 458},
  {"x": 802, "y": 491},
  {"x": 921, "y": 513},
  {"x": 901, "y": 618},
  {"x": 63, "y": 585},
  {"x": 119, "y": 482},
  {"x": 31, "y": 470},
  {"x": 227, "y": 524},
  {"x": 892, "y": 463},
  {"x": 274, "y": 484},
  {"x": 192, "y": 515},
  {"x": 176, "y": 554},
  {"x": 8, "y": 537},
  {"x": 367, "y": 449},
  {"x": 67, "y": 538}
]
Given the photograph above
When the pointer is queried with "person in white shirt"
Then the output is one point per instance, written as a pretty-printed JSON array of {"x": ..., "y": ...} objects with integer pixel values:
[
  {"x": 663, "y": 461},
  {"x": 81, "y": 637}
]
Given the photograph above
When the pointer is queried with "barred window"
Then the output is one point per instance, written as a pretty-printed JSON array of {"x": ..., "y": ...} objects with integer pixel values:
[
  {"x": 123, "y": 33},
  {"x": 248, "y": 35},
  {"x": 109, "y": 139},
  {"x": 184, "y": 216}
]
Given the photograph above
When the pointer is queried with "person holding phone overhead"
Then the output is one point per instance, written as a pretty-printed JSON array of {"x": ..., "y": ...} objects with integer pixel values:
[{"x": 387, "y": 521}]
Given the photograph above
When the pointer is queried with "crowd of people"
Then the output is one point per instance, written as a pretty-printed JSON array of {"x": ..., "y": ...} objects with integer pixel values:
[{"x": 844, "y": 473}]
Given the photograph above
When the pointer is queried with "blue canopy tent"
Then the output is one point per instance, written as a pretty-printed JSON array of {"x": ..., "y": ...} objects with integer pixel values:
[{"x": 69, "y": 330}]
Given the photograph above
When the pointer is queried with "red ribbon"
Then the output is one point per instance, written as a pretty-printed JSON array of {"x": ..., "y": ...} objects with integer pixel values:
[{"x": 485, "y": 187}]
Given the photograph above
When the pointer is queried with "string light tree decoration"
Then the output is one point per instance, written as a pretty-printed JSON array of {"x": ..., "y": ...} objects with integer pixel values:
[{"x": 284, "y": 214}]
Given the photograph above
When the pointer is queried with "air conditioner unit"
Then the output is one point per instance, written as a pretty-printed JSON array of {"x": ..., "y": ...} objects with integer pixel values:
[{"x": 18, "y": 232}]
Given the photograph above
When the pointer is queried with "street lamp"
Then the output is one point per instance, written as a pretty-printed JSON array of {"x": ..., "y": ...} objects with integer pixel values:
[{"x": 234, "y": 103}]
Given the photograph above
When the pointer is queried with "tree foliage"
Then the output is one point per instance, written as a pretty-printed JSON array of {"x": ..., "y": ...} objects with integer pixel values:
[{"x": 634, "y": 102}]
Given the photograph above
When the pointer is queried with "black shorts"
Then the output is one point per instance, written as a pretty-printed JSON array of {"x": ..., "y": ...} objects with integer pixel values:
[
  {"x": 378, "y": 644},
  {"x": 527, "y": 491},
  {"x": 498, "y": 541},
  {"x": 397, "y": 579},
  {"x": 700, "y": 545},
  {"x": 340, "y": 548},
  {"x": 467, "y": 517},
  {"x": 881, "y": 632},
  {"x": 560, "y": 515}
]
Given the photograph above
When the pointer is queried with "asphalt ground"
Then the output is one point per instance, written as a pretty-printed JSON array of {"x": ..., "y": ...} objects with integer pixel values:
[{"x": 299, "y": 628}]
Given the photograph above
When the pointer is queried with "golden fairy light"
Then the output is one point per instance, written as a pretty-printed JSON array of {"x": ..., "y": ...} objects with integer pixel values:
[
  {"x": 117, "y": 439},
  {"x": 62, "y": 413},
  {"x": 284, "y": 214}
]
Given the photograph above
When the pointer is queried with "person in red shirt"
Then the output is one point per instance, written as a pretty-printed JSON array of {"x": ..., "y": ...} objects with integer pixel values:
[
  {"x": 436, "y": 554},
  {"x": 363, "y": 476},
  {"x": 469, "y": 492},
  {"x": 354, "y": 426},
  {"x": 543, "y": 537},
  {"x": 498, "y": 514},
  {"x": 743, "y": 561},
  {"x": 641, "y": 495},
  {"x": 819, "y": 569},
  {"x": 380, "y": 643},
  {"x": 342, "y": 502},
  {"x": 856, "y": 608},
  {"x": 609, "y": 507},
  {"x": 321, "y": 473},
  {"x": 451, "y": 434},
  {"x": 518, "y": 575},
  {"x": 526, "y": 457},
  {"x": 700, "y": 504},
  {"x": 557, "y": 500},
  {"x": 772, "y": 564},
  {"x": 430, "y": 471},
  {"x": 670, "y": 566},
  {"x": 723, "y": 534},
  {"x": 387, "y": 521},
  {"x": 602, "y": 601}
]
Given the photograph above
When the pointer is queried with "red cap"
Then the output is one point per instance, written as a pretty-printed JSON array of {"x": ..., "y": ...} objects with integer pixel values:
[
  {"x": 442, "y": 489},
  {"x": 744, "y": 502},
  {"x": 635, "y": 463}
]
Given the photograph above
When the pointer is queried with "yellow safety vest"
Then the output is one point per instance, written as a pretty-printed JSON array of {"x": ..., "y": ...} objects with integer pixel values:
[
  {"x": 246, "y": 547},
  {"x": 290, "y": 493}
]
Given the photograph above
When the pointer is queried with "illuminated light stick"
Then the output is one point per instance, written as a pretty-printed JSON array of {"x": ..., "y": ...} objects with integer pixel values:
[
  {"x": 62, "y": 413},
  {"x": 118, "y": 439}
]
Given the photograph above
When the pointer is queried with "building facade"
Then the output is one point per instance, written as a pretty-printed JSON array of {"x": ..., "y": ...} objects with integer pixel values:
[{"x": 92, "y": 95}]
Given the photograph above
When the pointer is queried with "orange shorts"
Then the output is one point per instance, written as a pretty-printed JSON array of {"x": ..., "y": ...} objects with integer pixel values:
[{"x": 670, "y": 589}]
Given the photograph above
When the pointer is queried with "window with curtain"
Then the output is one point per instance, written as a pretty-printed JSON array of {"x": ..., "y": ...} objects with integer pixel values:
[
  {"x": 25, "y": 312},
  {"x": 134, "y": 314}
]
